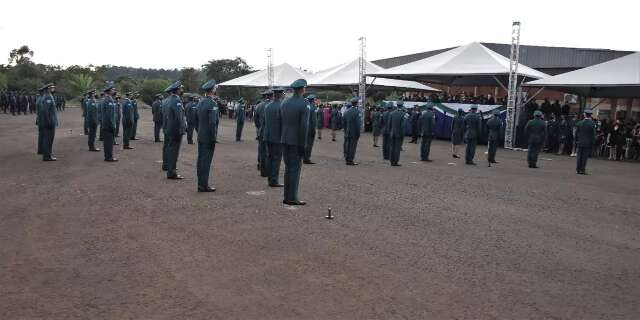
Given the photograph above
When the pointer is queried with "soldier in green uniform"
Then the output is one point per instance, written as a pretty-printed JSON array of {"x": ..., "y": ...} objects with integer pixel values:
[
  {"x": 191, "y": 110},
  {"x": 295, "y": 122},
  {"x": 457, "y": 133},
  {"x": 207, "y": 118},
  {"x": 272, "y": 135},
  {"x": 83, "y": 107},
  {"x": 156, "y": 110},
  {"x": 99, "y": 103},
  {"x": 136, "y": 115},
  {"x": 108, "y": 122},
  {"x": 118, "y": 112},
  {"x": 352, "y": 126},
  {"x": 47, "y": 121},
  {"x": 259, "y": 121},
  {"x": 175, "y": 128},
  {"x": 494, "y": 125},
  {"x": 396, "y": 133},
  {"x": 240, "y": 119},
  {"x": 536, "y": 131},
  {"x": 472, "y": 125},
  {"x": 91, "y": 118},
  {"x": 585, "y": 141},
  {"x": 311, "y": 135},
  {"x": 386, "y": 131},
  {"x": 376, "y": 121},
  {"x": 127, "y": 121},
  {"x": 426, "y": 125}
]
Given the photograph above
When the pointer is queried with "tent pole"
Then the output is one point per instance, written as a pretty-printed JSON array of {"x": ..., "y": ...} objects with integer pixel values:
[
  {"x": 534, "y": 95},
  {"x": 500, "y": 83}
]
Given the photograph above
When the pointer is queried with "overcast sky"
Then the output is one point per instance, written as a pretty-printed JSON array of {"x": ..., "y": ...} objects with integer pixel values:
[{"x": 312, "y": 35}]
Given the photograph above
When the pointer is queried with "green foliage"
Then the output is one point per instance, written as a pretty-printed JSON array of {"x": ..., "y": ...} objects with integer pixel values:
[
  {"x": 151, "y": 87},
  {"x": 4, "y": 80},
  {"x": 20, "y": 55},
  {"x": 126, "y": 84},
  {"x": 79, "y": 83},
  {"x": 226, "y": 69},
  {"x": 191, "y": 79}
]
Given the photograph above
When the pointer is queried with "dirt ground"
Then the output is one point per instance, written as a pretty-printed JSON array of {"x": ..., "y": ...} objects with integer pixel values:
[{"x": 84, "y": 239}]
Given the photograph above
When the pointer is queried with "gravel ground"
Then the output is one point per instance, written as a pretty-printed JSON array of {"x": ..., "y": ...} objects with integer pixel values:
[{"x": 85, "y": 239}]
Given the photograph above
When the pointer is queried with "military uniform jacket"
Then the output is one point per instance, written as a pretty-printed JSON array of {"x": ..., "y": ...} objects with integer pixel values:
[
  {"x": 136, "y": 115},
  {"x": 127, "y": 112},
  {"x": 494, "y": 125},
  {"x": 472, "y": 123},
  {"x": 108, "y": 113},
  {"x": 47, "y": 117},
  {"x": 118, "y": 111},
  {"x": 585, "y": 133},
  {"x": 385, "y": 121},
  {"x": 352, "y": 123},
  {"x": 272, "y": 131},
  {"x": 156, "y": 109},
  {"x": 335, "y": 119},
  {"x": 83, "y": 106},
  {"x": 313, "y": 118},
  {"x": 99, "y": 110},
  {"x": 396, "y": 124},
  {"x": 240, "y": 114},
  {"x": 191, "y": 110},
  {"x": 207, "y": 119},
  {"x": 91, "y": 111},
  {"x": 258, "y": 118},
  {"x": 536, "y": 130},
  {"x": 294, "y": 113},
  {"x": 175, "y": 123},
  {"x": 426, "y": 124},
  {"x": 376, "y": 120}
]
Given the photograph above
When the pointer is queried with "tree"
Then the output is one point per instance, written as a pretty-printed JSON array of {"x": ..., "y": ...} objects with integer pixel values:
[
  {"x": 150, "y": 87},
  {"x": 226, "y": 69},
  {"x": 21, "y": 55},
  {"x": 191, "y": 79},
  {"x": 126, "y": 84},
  {"x": 79, "y": 83},
  {"x": 4, "y": 80}
]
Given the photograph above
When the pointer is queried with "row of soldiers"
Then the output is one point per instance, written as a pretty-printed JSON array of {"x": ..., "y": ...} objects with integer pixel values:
[{"x": 18, "y": 103}]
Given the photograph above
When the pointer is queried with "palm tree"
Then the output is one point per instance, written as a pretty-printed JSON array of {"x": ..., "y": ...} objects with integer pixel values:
[{"x": 80, "y": 83}]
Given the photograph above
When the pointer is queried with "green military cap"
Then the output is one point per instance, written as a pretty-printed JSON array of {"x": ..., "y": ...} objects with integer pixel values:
[
  {"x": 354, "y": 100},
  {"x": 108, "y": 87},
  {"x": 400, "y": 103},
  {"x": 278, "y": 89},
  {"x": 311, "y": 96},
  {"x": 537, "y": 113},
  {"x": 174, "y": 86},
  {"x": 210, "y": 84},
  {"x": 389, "y": 105},
  {"x": 300, "y": 83},
  {"x": 588, "y": 111},
  {"x": 267, "y": 93},
  {"x": 47, "y": 86}
]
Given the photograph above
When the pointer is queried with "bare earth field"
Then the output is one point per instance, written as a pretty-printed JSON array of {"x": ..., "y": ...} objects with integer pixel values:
[{"x": 84, "y": 239}]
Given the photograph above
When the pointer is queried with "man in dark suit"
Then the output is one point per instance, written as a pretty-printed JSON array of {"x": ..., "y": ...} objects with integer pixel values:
[
  {"x": 294, "y": 115},
  {"x": 536, "y": 130},
  {"x": 585, "y": 141},
  {"x": 127, "y": 121},
  {"x": 47, "y": 121},
  {"x": 385, "y": 122},
  {"x": 260, "y": 122},
  {"x": 472, "y": 124},
  {"x": 207, "y": 119},
  {"x": 352, "y": 127}
]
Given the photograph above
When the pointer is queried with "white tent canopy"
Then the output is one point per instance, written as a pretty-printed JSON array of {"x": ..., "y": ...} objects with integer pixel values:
[
  {"x": 618, "y": 78},
  {"x": 346, "y": 76},
  {"x": 472, "y": 64},
  {"x": 283, "y": 75}
]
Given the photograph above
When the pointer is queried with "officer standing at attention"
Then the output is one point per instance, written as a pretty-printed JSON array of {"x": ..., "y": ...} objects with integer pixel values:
[
  {"x": 136, "y": 115},
  {"x": 585, "y": 140},
  {"x": 386, "y": 131},
  {"x": 352, "y": 126},
  {"x": 191, "y": 110},
  {"x": 396, "y": 133},
  {"x": 175, "y": 128},
  {"x": 494, "y": 125},
  {"x": 108, "y": 122},
  {"x": 83, "y": 106},
  {"x": 156, "y": 110},
  {"x": 47, "y": 121},
  {"x": 426, "y": 125},
  {"x": 240, "y": 119},
  {"x": 376, "y": 121},
  {"x": 91, "y": 119},
  {"x": 272, "y": 135},
  {"x": 259, "y": 122},
  {"x": 472, "y": 123},
  {"x": 99, "y": 102},
  {"x": 207, "y": 119},
  {"x": 127, "y": 121},
  {"x": 457, "y": 133},
  {"x": 311, "y": 134},
  {"x": 536, "y": 131},
  {"x": 118, "y": 111},
  {"x": 295, "y": 122}
]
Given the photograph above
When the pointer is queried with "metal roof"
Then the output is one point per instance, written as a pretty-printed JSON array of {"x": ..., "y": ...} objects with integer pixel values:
[{"x": 560, "y": 59}]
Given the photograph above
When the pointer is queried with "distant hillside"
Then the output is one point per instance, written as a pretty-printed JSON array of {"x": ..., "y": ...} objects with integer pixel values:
[{"x": 114, "y": 72}]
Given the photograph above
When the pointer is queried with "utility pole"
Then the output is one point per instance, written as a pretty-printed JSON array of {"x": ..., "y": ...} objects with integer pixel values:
[
  {"x": 513, "y": 97},
  {"x": 270, "y": 75}
]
